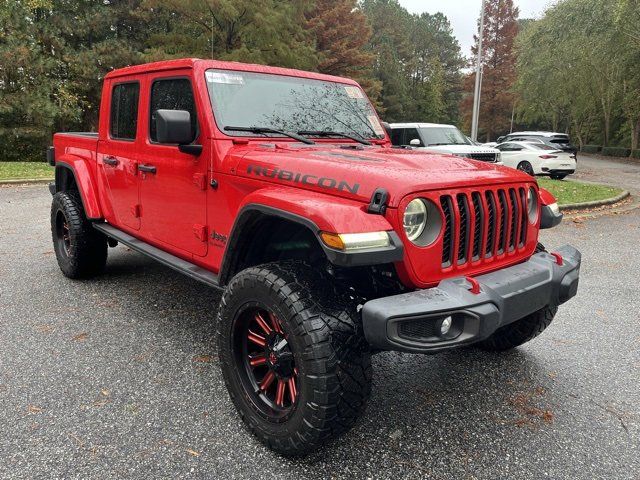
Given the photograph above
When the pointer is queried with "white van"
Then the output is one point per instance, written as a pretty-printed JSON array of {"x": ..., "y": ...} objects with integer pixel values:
[{"x": 438, "y": 138}]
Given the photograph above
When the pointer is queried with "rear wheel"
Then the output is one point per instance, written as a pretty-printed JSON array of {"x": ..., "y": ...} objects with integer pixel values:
[
  {"x": 526, "y": 168},
  {"x": 81, "y": 250},
  {"x": 293, "y": 356}
]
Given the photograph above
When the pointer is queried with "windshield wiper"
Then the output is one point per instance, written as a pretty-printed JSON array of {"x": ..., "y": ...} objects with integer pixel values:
[
  {"x": 259, "y": 130},
  {"x": 326, "y": 133}
]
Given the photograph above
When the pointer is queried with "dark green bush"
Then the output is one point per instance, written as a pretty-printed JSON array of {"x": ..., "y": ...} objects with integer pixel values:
[
  {"x": 23, "y": 144},
  {"x": 616, "y": 151},
  {"x": 636, "y": 154},
  {"x": 591, "y": 148}
]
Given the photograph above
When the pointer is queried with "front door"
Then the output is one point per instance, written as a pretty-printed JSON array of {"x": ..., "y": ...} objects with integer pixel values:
[
  {"x": 117, "y": 162},
  {"x": 173, "y": 184}
]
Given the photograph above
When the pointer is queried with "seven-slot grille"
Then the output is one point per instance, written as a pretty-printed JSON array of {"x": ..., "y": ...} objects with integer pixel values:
[{"x": 483, "y": 224}]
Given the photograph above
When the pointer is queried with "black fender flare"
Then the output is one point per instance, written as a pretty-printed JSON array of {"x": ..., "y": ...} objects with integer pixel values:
[{"x": 377, "y": 256}]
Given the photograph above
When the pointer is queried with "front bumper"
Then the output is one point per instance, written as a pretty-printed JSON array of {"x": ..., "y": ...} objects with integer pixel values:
[{"x": 411, "y": 322}]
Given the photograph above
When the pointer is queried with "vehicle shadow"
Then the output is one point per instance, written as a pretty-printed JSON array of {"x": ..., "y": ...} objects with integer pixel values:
[{"x": 439, "y": 404}]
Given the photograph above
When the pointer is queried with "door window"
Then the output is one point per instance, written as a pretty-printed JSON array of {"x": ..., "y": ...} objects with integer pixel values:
[
  {"x": 412, "y": 134},
  {"x": 123, "y": 120},
  {"x": 397, "y": 137},
  {"x": 172, "y": 94}
]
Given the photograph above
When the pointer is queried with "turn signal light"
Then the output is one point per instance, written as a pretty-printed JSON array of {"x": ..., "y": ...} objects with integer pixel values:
[{"x": 355, "y": 241}]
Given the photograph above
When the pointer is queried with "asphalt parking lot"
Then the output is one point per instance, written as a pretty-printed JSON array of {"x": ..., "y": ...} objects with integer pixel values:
[{"x": 118, "y": 378}]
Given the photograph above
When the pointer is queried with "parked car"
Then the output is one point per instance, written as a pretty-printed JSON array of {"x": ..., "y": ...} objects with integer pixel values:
[
  {"x": 438, "y": 138},
  {"x": 557, "y": 140},
  {"x": 536, "y": 158},
  {"x": 326, "y": 243}
]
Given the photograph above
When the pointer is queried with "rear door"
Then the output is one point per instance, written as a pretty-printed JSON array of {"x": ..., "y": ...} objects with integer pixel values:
[
  {"x": 512, "y": 154},
  {"x": 117, "y": 155},
  {"x": 172, "y": 183}
]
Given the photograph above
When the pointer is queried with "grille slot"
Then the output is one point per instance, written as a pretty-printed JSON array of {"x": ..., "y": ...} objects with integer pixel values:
[
  {"x": 513, "y": 205},
  {"x": 502, "y": 230},
  {"x": 447, "y": 242},
  {"x": 491, "y": 222},
  {"x": 463, "y": 244},
  {"x": 477, "y": 224},
  {"x": 524, "y": 217}
]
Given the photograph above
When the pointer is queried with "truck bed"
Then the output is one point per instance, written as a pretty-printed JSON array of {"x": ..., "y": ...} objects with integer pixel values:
[{"x": 81, "y": 145}]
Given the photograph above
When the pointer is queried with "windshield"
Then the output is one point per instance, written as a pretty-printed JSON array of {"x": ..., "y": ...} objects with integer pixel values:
[
  {"x": 293, "y": 104},
  {"x": 433, "y": 136}
]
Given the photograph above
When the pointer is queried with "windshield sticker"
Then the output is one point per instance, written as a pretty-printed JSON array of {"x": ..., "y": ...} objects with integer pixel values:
[
  {"x": 375, "y": 124},
  {"x": 228, "y": 78},
  {"x": 354, "y": 92}
]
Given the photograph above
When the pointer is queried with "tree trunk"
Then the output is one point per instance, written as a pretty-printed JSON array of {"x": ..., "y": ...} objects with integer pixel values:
[{"x": 635, "y": 135}]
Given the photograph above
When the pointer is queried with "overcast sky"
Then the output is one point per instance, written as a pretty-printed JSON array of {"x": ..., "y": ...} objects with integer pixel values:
[{"x": 463, "y": 14}]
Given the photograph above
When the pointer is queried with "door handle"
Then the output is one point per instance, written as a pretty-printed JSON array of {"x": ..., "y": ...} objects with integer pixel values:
[
  {"x": 109, "y": 160},
  {"x": 147, "y": 168}
]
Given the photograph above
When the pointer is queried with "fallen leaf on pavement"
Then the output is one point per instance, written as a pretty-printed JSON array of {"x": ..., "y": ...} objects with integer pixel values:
[{"x": 202, "y": 358}]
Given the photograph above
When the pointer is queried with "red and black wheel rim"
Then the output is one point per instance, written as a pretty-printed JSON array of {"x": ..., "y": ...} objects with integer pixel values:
[
  {"x": 63, "y": 234},
  {"x": 265, "y": 362}
]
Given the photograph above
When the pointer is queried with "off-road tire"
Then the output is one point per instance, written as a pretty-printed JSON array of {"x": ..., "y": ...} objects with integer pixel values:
[
  {"x": 328, "y": 345},
  {"x": 523, "y": 330},
  {"x": 519, "y": 332},
  {"x": 84, "y": 252}
]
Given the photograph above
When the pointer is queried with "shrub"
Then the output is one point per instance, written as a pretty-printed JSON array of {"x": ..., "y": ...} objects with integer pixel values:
[
  {"x": 636, "y": 154},
  {"x": 616, "y": 151},
  {"x": 591, "y": 148},
  {"x": 23, "y": 144}
]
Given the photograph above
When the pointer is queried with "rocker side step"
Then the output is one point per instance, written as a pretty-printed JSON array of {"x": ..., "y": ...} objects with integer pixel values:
[{"x": 182, "y": 266}]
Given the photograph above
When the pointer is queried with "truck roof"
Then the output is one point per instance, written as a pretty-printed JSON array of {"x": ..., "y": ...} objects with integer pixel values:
[
  {"x": 224, "y": 65},
  {"x": 420, "y": 125}
]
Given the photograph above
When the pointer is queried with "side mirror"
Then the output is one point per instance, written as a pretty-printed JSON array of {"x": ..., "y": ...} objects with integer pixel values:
[
  {"x": 173, "y": 126},
  {"x": 415, "y": 142}
]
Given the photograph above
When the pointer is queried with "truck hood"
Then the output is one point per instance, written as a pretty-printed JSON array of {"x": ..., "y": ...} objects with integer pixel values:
[{"x": 356, "y": 173}]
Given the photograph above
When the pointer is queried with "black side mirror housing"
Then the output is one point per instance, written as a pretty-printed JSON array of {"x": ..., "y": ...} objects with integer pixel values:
[{"x": 173, "y": 126}]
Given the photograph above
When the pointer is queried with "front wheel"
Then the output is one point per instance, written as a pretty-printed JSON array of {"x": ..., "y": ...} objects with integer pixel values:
[
  {"x": 293, "y": 356},
  {"x": 526, "y": 168}
]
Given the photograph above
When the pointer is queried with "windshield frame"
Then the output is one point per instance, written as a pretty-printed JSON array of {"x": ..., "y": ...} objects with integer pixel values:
[{"x": 372, "y": 136}]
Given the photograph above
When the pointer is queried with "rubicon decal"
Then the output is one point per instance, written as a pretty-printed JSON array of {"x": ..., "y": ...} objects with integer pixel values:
[{"x": 303, "y": 178}]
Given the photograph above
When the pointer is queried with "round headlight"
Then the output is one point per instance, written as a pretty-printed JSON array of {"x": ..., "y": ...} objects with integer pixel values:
[
  {"x": 532, "y": 205},
  {"x": 415, "y": 219}
]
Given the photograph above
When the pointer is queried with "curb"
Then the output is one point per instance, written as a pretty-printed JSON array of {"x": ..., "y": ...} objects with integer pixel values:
[
  {"x": 595, "y": 203},
  {"x": 26, "y": 181}
]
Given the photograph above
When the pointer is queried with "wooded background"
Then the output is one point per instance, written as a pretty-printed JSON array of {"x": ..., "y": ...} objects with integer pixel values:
[{"x": 574, "y": 70}]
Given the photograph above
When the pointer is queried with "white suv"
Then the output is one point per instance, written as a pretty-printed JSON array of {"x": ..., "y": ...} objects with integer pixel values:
[{"x": 441, "y": 139}]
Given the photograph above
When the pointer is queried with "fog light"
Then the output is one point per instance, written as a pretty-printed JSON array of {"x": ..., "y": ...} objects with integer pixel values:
[{"x": 445, "y": 326}]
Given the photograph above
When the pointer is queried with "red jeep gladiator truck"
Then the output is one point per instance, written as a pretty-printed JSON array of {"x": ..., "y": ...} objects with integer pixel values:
[{"x": 282, "y": 189}]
